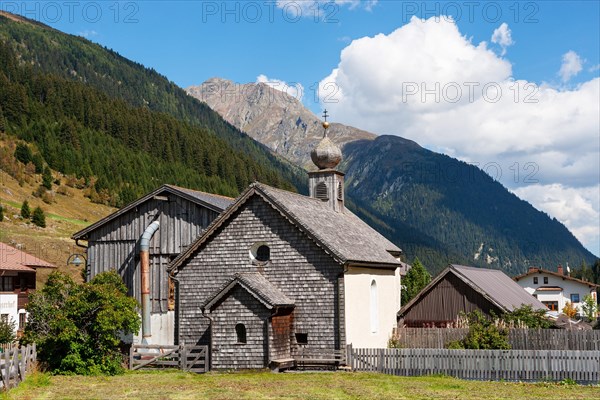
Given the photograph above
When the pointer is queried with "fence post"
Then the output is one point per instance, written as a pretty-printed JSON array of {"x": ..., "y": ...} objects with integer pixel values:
[
  {"x": 183, "y": 357},
  {"x": 349, "y": 356},
  {"x": 6, "y": 375}
]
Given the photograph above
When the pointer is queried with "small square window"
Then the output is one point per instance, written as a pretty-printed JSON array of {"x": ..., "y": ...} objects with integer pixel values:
[
  {"x": 545, "y": 280},
  {"x": 535, "y": 280},
  {"x": 302, "y": 338},
  {"x": 574, "y": 297}
]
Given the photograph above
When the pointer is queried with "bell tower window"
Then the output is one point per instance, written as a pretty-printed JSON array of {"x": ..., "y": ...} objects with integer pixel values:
[{"x": 321, "y": 191}]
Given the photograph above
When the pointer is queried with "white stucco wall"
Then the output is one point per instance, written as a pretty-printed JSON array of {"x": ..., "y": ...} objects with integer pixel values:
[
  {"x": 357, "y": 291},
  {"x": 562, "y": 297},
  {"x": 162, "y": 327},
  {"x": 8, "y": 305}
]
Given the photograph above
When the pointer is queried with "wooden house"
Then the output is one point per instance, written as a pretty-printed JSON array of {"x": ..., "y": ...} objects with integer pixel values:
[
  {"x": 113, "y": 243},
  {"x": 279, "y": 273},
  {"x": 464, "y": 289},
  {"x": 17, "y": 281}
]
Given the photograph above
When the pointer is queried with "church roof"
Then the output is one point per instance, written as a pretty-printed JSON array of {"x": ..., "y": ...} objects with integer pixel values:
[
  {"x": 213, "y": 202},
  {"x": 257, "y": 285},
  {"x": 346, "y": 237}
]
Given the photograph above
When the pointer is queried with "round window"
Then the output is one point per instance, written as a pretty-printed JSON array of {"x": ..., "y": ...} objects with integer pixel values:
[{"x": 260, "y": 252}]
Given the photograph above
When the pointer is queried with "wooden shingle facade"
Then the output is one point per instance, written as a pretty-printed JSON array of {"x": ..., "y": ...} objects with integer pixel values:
[{"x": 113, "y": 242}]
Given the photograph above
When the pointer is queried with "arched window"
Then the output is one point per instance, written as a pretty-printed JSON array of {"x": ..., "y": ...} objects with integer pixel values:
[
  {"x": 340, "y": 191},
  {"x": 374, "y": 307},
  {"x": 240, "y": 330},
  {"x": 321, "y": 191}
]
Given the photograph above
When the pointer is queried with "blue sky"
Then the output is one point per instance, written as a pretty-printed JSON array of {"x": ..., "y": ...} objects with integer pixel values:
[{"x": 372, "y": 51}]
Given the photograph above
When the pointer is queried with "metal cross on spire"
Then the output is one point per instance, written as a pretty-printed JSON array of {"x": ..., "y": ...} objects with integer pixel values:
[{"x": 325, "y": 115}]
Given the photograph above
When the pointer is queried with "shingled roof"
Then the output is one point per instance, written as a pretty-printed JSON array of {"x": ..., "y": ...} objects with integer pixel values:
[
  {"x": 12, "y": 259},
  {"x": 345, "y": 236},
  {"x": 492, "y": 284},
  {"x": 257, "y": 285},
  {"x": 213, "y": 202}
]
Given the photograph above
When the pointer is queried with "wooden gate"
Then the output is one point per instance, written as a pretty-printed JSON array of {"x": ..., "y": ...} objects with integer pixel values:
[{"x": 185, "y": 357}]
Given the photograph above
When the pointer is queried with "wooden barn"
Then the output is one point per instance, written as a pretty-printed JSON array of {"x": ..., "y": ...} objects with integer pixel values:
[
  {"x": 464, "y": 289},
  {"x": 278, "y": 274},
  {"x": 114, "y": 243}
]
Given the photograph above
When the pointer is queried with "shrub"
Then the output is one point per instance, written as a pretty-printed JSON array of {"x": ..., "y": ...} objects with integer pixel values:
[
  {"x": 39, "y": 217},
  {"x": 25, "y": 210},
  {"x": 77, "y": 326},
  {"x": 589, "y": 307},
  {"x": 525, "y": 316},
  {"x": 483, "y": 334},
  {"x": 569, "y": 310},
  {"x": 48, "y": 197},
  {"x": 1, "y": 213},
  {"x": 7, "y": 331}
]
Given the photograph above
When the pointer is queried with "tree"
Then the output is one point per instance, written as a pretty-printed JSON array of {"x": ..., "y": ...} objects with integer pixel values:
[
  {"x": 7, "y": 331},
  {"x": 47, "y": 178},
  {"x": 23, "y": 153},
  {"x": 25, "y": 210},
  {"x": 39, "y": 217},
  {"x": 527, "y": 316},
  {"x": 589, "y": 307},
  {"x": 78, "y": 326},
  {"x": 416, "y": 279},
  {"x": 1, "y": 213},
  {"x": 569, "y": 310},
  {"x": 38, "y": 161}
]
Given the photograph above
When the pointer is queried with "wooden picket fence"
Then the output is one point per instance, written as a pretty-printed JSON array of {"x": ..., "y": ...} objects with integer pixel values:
[
  {"x": 510, "y": 365},
  {"x": 519, "y": 339},
  {"x": 15, "y": 363},
  {"x": 185, "y": 357}
]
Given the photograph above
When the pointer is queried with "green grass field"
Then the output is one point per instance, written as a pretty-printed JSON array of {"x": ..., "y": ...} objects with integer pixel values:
[{"x": 266, "y": 385}]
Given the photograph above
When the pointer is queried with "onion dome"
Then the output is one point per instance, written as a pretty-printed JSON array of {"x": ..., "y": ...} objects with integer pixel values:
[{"x": 327, "y": 155}]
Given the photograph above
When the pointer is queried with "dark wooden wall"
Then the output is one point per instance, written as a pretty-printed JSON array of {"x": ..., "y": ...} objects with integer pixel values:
[
  {"x": 115, "y": 245},
  {"x": 444, "y": 301},
  {"x": 299, "y": 268},
  {"x": 240, "y": 307}
]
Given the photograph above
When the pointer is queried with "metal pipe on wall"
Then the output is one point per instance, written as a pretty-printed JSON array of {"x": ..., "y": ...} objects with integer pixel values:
[{"x": 145, "y": 279}]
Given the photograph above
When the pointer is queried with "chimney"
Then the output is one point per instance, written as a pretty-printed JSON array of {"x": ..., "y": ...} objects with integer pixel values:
[{"x": 560, "y": 270}]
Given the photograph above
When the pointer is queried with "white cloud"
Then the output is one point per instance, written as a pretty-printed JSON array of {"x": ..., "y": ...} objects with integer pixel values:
[
  {"x": 427, "y": 82},
  {"x": 294, "y": 89},
  {"x": 577, "y": 209},
  {"x": 88, "y": 33},
  {"x": 595, "y": 68},
  {"x": 571, "y": 65},
  {"x": 502, "y": 36}
]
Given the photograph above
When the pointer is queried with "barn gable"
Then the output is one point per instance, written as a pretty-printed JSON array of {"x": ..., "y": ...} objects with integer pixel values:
[
  {"x": 113, "y": 243},
  {"x": 464, "y": 289}
]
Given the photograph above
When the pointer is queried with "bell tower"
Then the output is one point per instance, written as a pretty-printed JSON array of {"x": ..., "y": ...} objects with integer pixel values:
[{"x": 327, "y": 184}]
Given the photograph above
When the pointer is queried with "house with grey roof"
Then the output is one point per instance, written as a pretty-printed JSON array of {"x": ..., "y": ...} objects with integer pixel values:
[
  {"x": 278, "y": 273},
  {"x": 113, "y": 243},
  {"x": 459, "y": 288}
]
